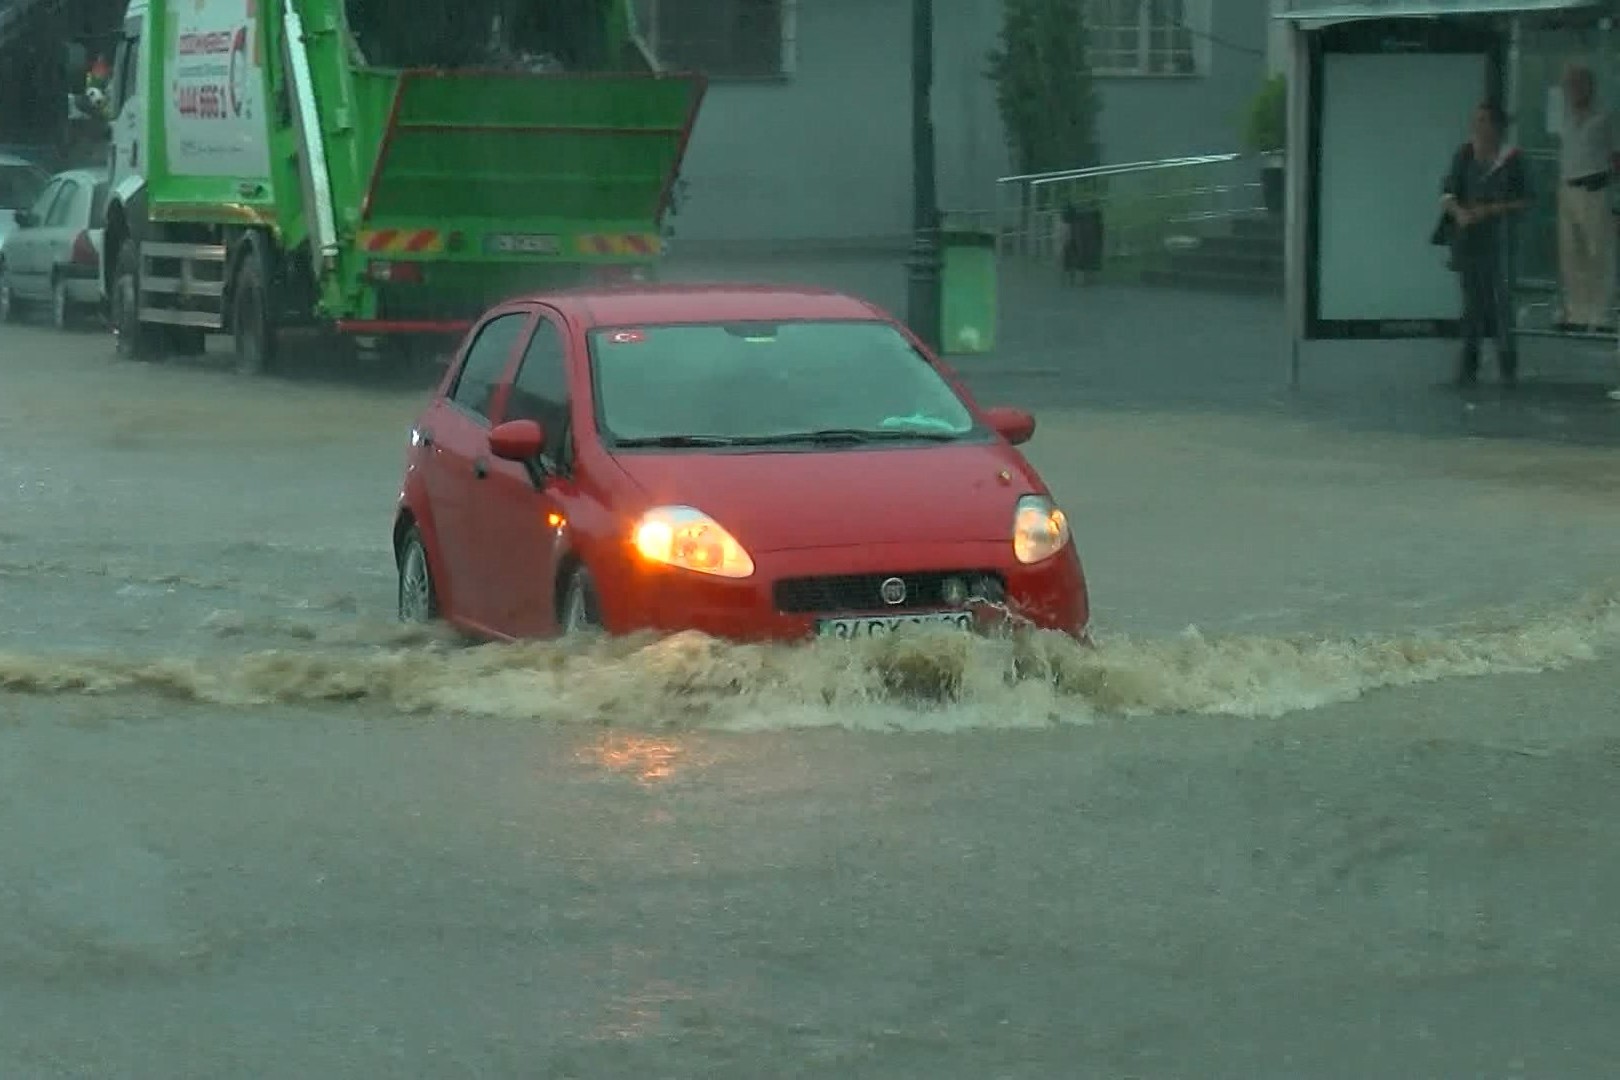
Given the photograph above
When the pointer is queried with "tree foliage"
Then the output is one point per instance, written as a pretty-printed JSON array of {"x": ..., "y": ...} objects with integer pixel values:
[
  {"x": 1266, "y": 128},
  {"x": 1043, "y": 85}
]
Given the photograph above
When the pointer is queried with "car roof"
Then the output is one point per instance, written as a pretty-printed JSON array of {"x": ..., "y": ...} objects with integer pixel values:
[
  {"x": 646, "y": 304},
  {"x": 96, "y": 176},
  {"x": 13, "y": 159}
]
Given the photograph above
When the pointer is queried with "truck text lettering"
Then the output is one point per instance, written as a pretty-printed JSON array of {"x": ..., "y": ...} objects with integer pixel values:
[
  {"x": 203, "y": 102},
  {"x": 208, "y": 44}
]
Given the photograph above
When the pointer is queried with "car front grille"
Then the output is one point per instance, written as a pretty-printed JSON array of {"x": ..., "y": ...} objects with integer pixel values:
[{"x": 864, "y": 592}]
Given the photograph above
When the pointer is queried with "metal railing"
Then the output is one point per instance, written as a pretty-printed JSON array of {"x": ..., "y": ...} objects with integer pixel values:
[{"x": 1144, "y": 205}]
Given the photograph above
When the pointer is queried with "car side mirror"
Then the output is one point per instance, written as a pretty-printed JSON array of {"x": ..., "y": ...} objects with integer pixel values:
[
  {"x": 1014, "y": 425},
  {"x": 517, "y": 440},
  {"x": 25, "y": 219}
]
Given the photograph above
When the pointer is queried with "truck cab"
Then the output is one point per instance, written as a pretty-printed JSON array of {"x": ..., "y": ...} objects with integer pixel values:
[{"x": 125, "y": 107}]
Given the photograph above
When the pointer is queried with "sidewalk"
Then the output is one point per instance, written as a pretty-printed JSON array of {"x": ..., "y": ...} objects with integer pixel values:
[{"x": 1148, "y": 348}]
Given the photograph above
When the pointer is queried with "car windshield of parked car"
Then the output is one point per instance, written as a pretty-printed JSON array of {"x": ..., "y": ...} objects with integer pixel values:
[
  {"x": 770, "y": 382},
  {"x": 20, "y": 185}
]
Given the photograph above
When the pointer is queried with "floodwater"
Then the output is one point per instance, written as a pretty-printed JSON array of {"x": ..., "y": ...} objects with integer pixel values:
[{"x": 1335, "y": 795}]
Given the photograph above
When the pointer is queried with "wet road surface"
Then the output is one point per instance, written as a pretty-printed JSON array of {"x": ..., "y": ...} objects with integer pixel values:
[{"x": 1361, "y": 822}]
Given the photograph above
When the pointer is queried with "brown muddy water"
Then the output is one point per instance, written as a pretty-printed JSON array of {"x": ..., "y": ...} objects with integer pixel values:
[{"x": 1334, "y": 796}]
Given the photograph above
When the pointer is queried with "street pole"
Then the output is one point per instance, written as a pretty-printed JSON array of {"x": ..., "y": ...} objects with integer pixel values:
[{"x": 923, "y": 298}]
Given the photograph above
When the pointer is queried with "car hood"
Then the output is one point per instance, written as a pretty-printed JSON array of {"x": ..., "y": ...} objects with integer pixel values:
[{"x": 779, "y": 501}]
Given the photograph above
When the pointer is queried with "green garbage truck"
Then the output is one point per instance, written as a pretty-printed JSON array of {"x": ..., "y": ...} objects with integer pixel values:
[{"x": 377, "y": 170}]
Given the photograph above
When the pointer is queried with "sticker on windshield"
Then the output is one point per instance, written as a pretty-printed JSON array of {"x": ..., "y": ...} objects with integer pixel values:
[{"x": 627, "y": 337}]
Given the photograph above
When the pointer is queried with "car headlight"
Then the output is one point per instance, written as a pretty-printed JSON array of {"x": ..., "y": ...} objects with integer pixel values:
[
  {"x": 1040, "y": 529},
  {"x": 692, "y": 540}
]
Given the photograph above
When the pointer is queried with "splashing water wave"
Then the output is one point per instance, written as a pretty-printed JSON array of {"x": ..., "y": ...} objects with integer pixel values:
[{"x": 936, "y": 681}]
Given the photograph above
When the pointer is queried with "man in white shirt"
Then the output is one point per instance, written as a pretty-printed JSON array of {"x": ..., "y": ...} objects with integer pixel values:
[{"x": 1585, "y": 225}]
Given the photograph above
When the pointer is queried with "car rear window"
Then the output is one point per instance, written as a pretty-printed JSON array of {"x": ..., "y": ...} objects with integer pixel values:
[
  {"x": 98, "y": 207},
  {"x": 20, "y": 185},
  {"x": 755, "y": 380}
]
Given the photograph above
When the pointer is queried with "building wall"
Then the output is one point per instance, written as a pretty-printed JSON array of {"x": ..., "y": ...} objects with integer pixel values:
[
  {"x": 1148, "y": 118},
  {"x": 825, "y": 155}
]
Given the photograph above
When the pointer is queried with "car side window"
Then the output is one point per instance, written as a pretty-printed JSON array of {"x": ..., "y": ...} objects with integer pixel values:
[
  {"x": 540, "y": 391},
  {"x": 486, "y": 362},
  {"x": 62, "y": 211},
  {"x": 42, "y": 205}
]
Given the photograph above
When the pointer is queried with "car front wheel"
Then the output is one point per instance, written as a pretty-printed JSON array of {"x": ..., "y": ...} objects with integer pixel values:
[
  {"x": 418, "y": 598},
  {"x": 580, "y": 612}
]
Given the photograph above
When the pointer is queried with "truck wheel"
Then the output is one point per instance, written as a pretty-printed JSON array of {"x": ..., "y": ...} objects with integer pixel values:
[
  {"x": 135, "y": 340},
  {"x": 251, "y": 321}
]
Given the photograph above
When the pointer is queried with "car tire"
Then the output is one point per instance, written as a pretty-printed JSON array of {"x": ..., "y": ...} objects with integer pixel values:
[
  {"x": 580, "y": 612},
  {"x": 10, "y": 310},
  {"x": 418, "y": 595},
  {"x": 64, "y": 316},
  {"x": 134, "y": 340},
  {"x": 253, "y": 315}
]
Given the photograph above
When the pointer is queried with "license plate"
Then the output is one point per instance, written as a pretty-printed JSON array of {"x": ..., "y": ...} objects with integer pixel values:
[
  {"x": 522, "y": 244},
  {"x": 888, "y": 624}
]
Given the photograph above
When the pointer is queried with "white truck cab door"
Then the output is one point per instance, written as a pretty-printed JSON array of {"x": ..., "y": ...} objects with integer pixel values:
[{"x": 127, "y": 155}]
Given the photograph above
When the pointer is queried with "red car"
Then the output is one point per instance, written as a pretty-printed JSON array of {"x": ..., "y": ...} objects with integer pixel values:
[{"x": 754, "y": 463}]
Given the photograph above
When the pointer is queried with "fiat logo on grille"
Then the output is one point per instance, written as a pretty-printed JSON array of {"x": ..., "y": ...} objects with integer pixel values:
[{"x": 893, "y": 591}]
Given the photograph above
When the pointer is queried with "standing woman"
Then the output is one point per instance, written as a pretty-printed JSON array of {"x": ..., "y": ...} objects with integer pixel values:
[{"x": 1485, "y": 191}]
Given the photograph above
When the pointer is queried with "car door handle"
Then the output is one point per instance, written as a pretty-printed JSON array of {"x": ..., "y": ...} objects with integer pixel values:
[{"x": 481, "y": 468}]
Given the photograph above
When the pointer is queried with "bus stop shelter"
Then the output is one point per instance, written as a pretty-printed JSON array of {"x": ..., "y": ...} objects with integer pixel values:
[{"x": 1379, "y": 96}]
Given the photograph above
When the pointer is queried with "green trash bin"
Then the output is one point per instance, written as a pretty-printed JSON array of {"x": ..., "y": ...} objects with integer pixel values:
[{"x": 967, "y": 291}]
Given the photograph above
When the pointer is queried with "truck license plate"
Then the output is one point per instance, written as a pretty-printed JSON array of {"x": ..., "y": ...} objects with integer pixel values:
[
  {"x": 522, "y": 244},
  {"x": 888, "y": 624}
]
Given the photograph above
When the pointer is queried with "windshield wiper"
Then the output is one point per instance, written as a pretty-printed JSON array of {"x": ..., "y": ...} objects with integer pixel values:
[
  {"x": 677, "y": 441},
  {"x": 821, "y": 436},
  {"x": 855, "y": 435}
]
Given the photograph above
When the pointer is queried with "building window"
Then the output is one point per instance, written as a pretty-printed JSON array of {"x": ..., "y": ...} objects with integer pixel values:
[
  {"x": 723, "y": 39},
  {"x": 1145, "y": 37}
]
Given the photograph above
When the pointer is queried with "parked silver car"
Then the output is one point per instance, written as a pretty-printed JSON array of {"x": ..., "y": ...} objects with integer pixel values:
[
  {"x": 53, "y": 255},
  {"x": 21, "y": 181}
]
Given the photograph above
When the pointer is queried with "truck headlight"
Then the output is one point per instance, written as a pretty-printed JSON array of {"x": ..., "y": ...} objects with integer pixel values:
[
  {"x": 1040, "y": 529},
  {"x": 688, "y": 538}
]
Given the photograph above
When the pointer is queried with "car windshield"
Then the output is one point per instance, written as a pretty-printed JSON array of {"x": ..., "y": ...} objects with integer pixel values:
[
  {"x": 20, "y": 185},
  {"x": 715, "y": 383}
]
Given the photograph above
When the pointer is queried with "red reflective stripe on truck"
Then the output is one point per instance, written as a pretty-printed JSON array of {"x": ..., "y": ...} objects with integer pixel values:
[
  {"x": 634, "y": 244},
  {"x": 421, "y": 240},
  {"x": 381, "y": 239}
]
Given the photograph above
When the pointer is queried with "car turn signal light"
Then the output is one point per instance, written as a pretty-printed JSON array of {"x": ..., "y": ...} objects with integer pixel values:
[
  {"x": 683, "y": 537},
  {"x": 1040, "y": 529}
]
